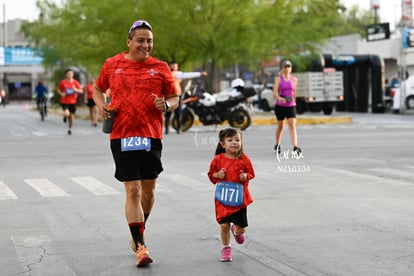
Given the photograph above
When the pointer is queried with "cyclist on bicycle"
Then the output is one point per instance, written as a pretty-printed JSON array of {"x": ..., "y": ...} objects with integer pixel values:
[{"x": 40, "y": 94}]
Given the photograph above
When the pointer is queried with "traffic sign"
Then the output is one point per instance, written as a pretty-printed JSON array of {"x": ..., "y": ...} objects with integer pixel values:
[{"x": 378, "y": 31}]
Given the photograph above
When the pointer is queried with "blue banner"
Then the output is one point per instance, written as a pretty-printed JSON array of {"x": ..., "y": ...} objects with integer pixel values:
[
  {"x": 19, "y": 56},
  {"x": 343, "y": 60}
]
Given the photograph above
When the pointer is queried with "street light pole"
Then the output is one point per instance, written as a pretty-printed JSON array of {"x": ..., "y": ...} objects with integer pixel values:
[
  {"x": 375, "y": 15},
  {"x": 375, "y": 5},
  {"x": 4, "y": 26}
]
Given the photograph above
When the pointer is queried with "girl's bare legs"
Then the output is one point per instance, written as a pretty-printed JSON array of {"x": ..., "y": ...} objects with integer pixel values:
[
  {"x": 225, "y": 234},
  {"x": 225, "y": 240},
  {"x": 239, "y": 230}
]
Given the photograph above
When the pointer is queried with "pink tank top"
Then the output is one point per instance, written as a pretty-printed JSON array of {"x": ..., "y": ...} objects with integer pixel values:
[{"x": 286, "y": 88}]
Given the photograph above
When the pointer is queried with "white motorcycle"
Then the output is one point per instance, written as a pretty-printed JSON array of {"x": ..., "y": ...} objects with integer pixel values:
[{"x": 215, "y": 109}]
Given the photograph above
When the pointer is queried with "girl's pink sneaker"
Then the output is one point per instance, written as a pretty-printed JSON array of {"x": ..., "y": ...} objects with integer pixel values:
[
  {"x": 239, "y": 238},
  {"x": 226, "y": 254}
]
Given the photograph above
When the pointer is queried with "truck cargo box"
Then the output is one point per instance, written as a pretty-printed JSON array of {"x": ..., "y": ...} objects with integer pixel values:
[{"x": 320, "y": 86}]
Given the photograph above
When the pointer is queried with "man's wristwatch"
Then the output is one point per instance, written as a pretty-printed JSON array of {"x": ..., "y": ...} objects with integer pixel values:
[{"x": 167, "y": 106}]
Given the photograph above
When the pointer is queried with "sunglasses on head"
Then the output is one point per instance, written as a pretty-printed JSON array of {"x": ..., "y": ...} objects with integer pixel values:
[
  {"x": 138, "y": 24},
  {"x": 287, "y": 65}
]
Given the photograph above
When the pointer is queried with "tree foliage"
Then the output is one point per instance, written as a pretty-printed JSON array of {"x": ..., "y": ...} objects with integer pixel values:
[
  {"x": 354, "y": 20},
  {"x": 203, "y": 34}
]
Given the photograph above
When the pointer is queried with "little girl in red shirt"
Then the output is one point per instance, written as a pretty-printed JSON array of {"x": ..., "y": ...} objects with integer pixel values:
[{"x": 230, "y": 171}]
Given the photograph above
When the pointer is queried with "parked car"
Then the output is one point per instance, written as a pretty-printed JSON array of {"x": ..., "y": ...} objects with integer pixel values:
[
  {"x": 267, "y": 101},
  {"x": 408, "y": 85},
  {"x": 388, "y": 99}
]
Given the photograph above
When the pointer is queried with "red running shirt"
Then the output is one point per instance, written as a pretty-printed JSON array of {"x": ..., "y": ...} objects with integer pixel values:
[
  {"x": 132, "y": 85},
  {"x": 233, "y": 167},
  {"x": 89, "y": 91},
  {"x": 66, "y": 86}
]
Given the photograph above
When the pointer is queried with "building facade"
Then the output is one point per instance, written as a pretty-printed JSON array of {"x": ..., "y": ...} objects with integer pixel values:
[
  {"x": 20, "y": 65},
  {"x": 396, "y": 59}
]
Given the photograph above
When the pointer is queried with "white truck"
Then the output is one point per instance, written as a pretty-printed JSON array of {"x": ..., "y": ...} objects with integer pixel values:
[{"x": 315, "y": 91}]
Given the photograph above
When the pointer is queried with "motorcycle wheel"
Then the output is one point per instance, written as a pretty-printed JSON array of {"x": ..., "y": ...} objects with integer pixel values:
[
  {"x": 240, "y": 118},
  {"x": 187, "y": 120}
]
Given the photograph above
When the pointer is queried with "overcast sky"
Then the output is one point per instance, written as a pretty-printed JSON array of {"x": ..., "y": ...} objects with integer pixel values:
[{"x": 390, "y": 10}]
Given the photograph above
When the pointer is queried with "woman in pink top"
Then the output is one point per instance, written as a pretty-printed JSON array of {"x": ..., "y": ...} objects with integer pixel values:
[{"x": 284, "y": 91}]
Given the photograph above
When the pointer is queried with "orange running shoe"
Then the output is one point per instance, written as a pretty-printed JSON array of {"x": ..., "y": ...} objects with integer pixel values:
[{"x": 143, "y": 256}]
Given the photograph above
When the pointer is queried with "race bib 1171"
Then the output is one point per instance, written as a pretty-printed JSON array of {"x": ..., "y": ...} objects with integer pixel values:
[{"x": 229, "y": 193}]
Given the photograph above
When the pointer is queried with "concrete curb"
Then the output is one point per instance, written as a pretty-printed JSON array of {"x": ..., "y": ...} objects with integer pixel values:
[
  {"x": 311, "y": 120},
  {"x": 299, "y": 120}
]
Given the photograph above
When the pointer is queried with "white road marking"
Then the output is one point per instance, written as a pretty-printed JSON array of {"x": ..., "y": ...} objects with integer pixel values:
[
  {"x": 46, "y": 188},
  {"x": 5, "y": 192},
  {"x": 94, "y": 186}
]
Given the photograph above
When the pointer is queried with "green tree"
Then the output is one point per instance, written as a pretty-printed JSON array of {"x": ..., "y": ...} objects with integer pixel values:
[
  {"x": 212, "y": 34},
  {"x": 81, "y": 32},
  {"x": 207, "y": 34},
  {"x": 354, "y": 21}
]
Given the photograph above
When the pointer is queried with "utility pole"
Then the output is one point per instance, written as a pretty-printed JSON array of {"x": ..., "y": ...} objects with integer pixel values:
[
  {"x": 4, "y": 26},
  {"x": 375, "y": 5},
  {"x": 4, "y": 44}
]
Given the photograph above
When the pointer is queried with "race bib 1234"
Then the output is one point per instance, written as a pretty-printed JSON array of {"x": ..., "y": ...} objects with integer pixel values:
[{"x": 135, "y": 143}]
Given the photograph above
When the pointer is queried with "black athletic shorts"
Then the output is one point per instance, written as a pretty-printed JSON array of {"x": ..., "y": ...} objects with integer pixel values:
[
  {"x": 90, "y": 103},
  {"x": 239, "y": 218},
  {"x": 70, "y": 107},
  {"x": 139, "y": 164},
  {"x": 283, "y": 112}
]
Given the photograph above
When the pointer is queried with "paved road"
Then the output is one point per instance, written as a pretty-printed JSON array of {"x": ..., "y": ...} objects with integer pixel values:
[{"x": 343, "y": 208}]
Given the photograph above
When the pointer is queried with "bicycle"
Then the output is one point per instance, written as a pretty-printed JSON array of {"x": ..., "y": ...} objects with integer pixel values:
[{"x": 42, "y": 108}]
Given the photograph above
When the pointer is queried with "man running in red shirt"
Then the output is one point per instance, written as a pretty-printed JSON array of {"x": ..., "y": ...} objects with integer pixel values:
[
  {"x": 142, "y": 89},
  {"x": 68, "y": 90}
]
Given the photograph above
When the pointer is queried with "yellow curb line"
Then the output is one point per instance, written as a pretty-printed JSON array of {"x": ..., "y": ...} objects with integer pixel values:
[
  {"x": 299, "y": 121},
  {"x": 306, "y": 121},
  {"x": 324, "y": 120}
]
